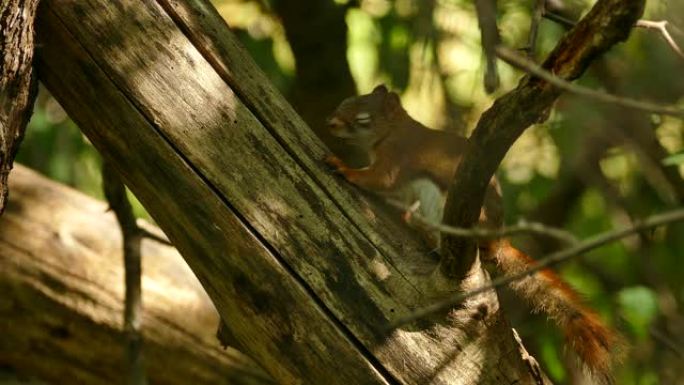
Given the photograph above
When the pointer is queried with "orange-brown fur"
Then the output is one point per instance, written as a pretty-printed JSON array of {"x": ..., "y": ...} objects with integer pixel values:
[
  {"x": 401, "y": 149},
  {"x": 595, "y": 344},
  {"x": 397, "y": 144}
]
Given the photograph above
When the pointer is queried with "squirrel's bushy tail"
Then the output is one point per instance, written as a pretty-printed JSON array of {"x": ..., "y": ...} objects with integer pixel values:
[{"x": 595, "y": 344}]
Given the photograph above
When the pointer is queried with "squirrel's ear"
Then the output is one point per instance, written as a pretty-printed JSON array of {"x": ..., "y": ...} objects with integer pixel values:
[
  {"x": 392, "y": 102},
  {"x": 380, "y": 89}
]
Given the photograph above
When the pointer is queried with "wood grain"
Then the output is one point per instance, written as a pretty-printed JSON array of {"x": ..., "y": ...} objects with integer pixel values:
[
  {"x": 61, "y": 308},
  {"x": 306, "y": 278}
]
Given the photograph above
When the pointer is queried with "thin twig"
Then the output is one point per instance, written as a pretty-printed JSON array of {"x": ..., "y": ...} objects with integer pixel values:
[
  {"x": 515, "y": 111},
  {"x": 537, "y": 15},
  {"x": 667, "y": 342},
  {"x": 115, "y": 192},
  {"x": 662, "y": 27},
  {"x": 523, "y": 227},
  {"x": 552, "y": 259},
  {"x": 145, "y": 232},
  {"x": 562, "y": 20},
  {"x": 676, "y": 30},
  {"x": 512, "y": 58},
  {"x": 663, "y": 181},
  {"x": 489, "y": 32}
]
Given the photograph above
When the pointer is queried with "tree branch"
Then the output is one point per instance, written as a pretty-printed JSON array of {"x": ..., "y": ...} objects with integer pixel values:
[
  {"x": 489, "y": 32},
  {"x": 115, "y": 192},
  {"x": 523, "y": 227},
  {"x": 608, "y": 22},
  {"x": 537, "y": 15},
  {"x": 150, "y": 234},
  {"x": 661, "y": 26},
  {"x": 560, "y": 19},
  {"x": 638, "y": 132},
  {"x": 510, "y": 57},
  {"x": 552, "y": 259}
]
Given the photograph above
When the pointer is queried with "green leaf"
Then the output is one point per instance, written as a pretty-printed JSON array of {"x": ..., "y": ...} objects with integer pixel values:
[
  {"x": 639, "y": 307},
  {"x": 674, "y": 160},
  {"x": 552, "y": 360}
]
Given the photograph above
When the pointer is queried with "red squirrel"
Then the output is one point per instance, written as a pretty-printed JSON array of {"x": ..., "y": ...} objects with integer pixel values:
[{"x": 402, "y": 150}]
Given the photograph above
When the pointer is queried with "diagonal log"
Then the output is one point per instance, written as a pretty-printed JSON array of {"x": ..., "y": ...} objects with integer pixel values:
[{"x": 305, "y": 277}]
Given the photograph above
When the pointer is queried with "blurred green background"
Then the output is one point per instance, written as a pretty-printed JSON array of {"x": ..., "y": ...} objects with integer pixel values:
[{"x": 589, "y": 168}]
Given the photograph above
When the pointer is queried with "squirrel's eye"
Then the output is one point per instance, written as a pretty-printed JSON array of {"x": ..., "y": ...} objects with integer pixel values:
[{"x": 363, "y": 118}]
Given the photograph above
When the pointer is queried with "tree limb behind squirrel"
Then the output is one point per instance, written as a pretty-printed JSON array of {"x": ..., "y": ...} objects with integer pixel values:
[{"x": 403, "y": 150}]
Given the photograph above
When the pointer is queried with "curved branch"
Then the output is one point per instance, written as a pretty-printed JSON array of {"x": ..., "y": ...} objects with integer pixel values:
[{"x": 608, "y": 22}]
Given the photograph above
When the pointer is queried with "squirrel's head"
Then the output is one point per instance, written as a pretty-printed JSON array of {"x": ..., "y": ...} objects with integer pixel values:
[{"x": 367, "y": 118}]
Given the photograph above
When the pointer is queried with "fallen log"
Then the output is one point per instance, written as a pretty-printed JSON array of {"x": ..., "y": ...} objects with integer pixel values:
[{"x": 61, "y": 307}]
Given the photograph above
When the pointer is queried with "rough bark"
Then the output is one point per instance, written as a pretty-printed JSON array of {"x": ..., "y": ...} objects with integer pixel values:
[
  {"x": 609, "y": 22},
  {"x": 17, "y": 81},
  {"x": 306, "y": 278},
  {"x": 62, "y": 285}
]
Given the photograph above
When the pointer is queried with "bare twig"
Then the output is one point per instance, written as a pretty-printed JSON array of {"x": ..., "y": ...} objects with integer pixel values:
[
  {"x": 667, "y": 182},
  {"x": 666, "y": 341},
  {"x": 145, "y": 232},
  {"x": 552, "y": 259},
  {"x": 661, "y": 26},
  {"x": 606, "y": 24},
  {"x": 537, "y": 15},
  {"x": 523, "y": 227},
  {"x": 489, "y": 32},
  {"x": 560, "y": 19},
  {"x": 115, "y": 192},
  {"x": 676, "y": 30},
  {"x": 510, "y": 57}
]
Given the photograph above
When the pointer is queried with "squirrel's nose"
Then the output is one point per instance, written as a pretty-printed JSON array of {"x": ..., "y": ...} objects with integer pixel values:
[{"x": 333, "y": 122}]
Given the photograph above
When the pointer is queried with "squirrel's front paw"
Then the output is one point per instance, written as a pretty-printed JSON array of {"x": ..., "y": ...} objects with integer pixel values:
[{"x": 335, "y": 163}]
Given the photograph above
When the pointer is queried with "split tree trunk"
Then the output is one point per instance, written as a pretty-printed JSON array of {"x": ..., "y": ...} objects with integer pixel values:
[
  {"x": 61, "y": 308},
  {"x": 306, "y": 277}
]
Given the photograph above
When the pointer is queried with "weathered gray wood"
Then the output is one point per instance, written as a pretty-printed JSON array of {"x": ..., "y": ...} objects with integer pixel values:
[
  {"x": 61, "y": 308},
  {"x": 272, "y": 313},
  {"x": 305, "y": 277}
]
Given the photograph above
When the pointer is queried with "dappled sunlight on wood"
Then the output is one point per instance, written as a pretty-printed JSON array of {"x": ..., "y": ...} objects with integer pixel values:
[{"x": 62, "y": 266}]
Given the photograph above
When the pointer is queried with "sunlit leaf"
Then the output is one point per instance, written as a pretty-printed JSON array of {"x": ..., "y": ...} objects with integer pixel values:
[{"x": 639, "y": 307}]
